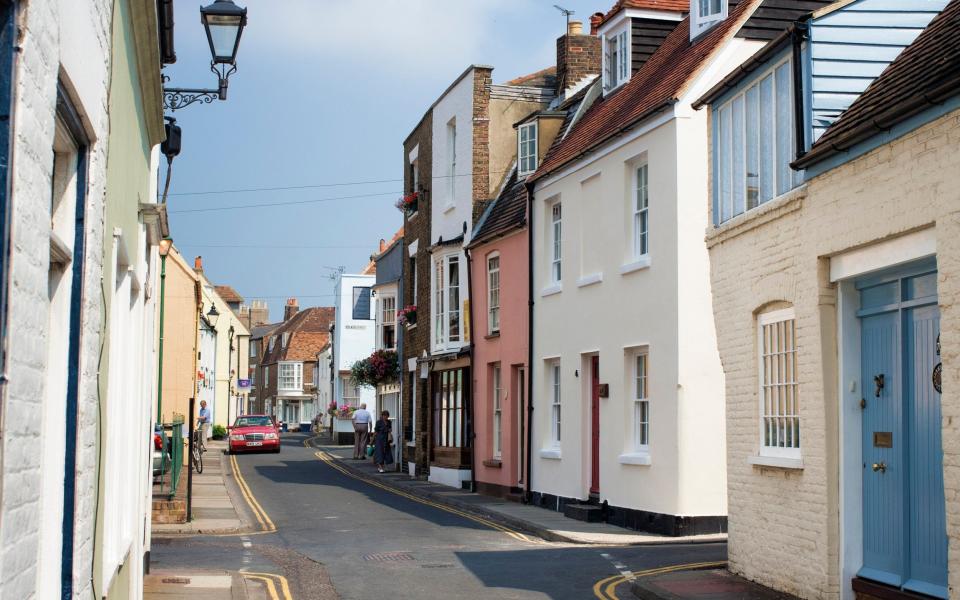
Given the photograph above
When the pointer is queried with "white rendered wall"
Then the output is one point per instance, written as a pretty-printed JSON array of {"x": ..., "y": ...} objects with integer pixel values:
[
  {"x": 450, "y": 212},
  {"x": 354, "y": 339}
]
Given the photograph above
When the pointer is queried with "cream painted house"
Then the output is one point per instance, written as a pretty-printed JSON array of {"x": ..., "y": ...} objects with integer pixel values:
[
  {"x": 832, "y": 287},
  {"x": 627, "y": 384}
]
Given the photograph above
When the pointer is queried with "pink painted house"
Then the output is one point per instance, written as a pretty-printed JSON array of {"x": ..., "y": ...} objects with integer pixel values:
[{"x": 499, "y": 277}]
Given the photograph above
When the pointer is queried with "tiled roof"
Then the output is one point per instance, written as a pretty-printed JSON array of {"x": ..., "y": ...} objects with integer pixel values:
[
  {"x": 657, "y": 85},
  {"x": 926, "y": 72},
  {"x": 671, "y": 5},
  {"x": 309, "y": 331},
  {"x": 542, "y": 78},
  {"x": 387, "y": 245},
  {"x": 506, "y": 213},
  {"x": 229, "y": 295},
  {"x": 262, "y": 331}
]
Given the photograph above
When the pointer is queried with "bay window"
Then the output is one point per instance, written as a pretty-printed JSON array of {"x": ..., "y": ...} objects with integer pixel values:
[
  {"x": 754, "y": 145},
  {"x": 290, "y": 376},
  {"x": 446, "y": 302},
  {"x": 388, "y": 322}
]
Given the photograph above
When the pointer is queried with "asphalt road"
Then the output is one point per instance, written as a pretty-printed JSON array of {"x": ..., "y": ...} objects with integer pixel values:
[{"x": 370, "y": 543}]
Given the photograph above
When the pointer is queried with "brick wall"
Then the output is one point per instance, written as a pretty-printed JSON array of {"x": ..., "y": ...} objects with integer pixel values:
[
  {"x": 784, "y": 524},
  {"x": 23, "y": 515},
  {"x": 416, "y": 340},
  {"x": 577, "y": 57},
  {"x": 482, "y": 80}
]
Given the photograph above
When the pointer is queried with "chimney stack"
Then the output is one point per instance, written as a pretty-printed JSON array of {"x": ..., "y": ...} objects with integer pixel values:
[
  {"x": 383, "y": 245},
  {"x": 578, "y": 56},
  {"x": 198, "y": 265},
  {"x": 290, "y": 309},
  {"x": 595, "y": 20},
  {"x": 259, "y": 313}
]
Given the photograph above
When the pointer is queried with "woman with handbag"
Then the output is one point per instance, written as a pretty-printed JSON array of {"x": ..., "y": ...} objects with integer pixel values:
[{"x": 382, "y": 433}]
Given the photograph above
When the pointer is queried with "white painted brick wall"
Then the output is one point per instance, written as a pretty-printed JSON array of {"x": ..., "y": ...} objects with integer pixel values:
[
  {"x": 44, "y": 30},
  {"x": 784, "y": 526}
]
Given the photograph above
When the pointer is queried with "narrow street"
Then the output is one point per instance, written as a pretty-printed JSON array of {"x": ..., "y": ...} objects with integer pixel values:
[{"x": 372, "y": 543}]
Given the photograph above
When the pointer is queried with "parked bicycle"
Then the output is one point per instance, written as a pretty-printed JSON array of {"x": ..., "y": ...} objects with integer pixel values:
[{"x": 196, "y": 454}]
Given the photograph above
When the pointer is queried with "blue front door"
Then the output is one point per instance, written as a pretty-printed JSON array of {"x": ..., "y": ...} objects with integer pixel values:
[{"x": 904, "y": 525}]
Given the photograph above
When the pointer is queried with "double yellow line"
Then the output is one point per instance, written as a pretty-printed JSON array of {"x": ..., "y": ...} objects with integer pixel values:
[
  {"x": 606, "y": 589},
  {"x": 266, "y": 525},
  {"x": 272, "y": 581},
  {"x": 333, "y": 462}
]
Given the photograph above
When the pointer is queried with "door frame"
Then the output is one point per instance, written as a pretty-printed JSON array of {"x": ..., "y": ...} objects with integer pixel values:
[
  {"x": 594, "y": 432},
  {"x": 849, "y": 390}
]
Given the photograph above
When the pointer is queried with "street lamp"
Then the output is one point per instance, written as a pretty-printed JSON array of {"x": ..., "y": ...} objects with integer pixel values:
[
  {"x": 223, "y": 22},
  {"x": 164, "y": 247},
  {"x": 213, "y": 315}
]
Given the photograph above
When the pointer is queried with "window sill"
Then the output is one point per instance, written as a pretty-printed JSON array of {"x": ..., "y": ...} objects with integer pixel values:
[
  {"x": 590, "y": 279},
  {"x": 641, "y": 263},
  {"x": 778, "y": 462},
  {"x": 448, "y": 207},
  {"x": 635, "y": 458},
  {"x": 492, "y": 336},
  {"x": 773, "y": 209},
  {"x": 551, "y": 290},
  {"x": 409, "y": 327},
  {"x": 551, "y": 453},
  {"x": 494, "y": 463}
]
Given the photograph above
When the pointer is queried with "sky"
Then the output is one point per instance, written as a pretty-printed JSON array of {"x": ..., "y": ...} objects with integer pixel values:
[{"x": 324, "y": 94}]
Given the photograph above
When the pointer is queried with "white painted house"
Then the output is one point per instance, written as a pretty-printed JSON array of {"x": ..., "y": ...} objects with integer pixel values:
[
  {"x": 627, "y": 382},
  {"x": 353, "y": 340}
]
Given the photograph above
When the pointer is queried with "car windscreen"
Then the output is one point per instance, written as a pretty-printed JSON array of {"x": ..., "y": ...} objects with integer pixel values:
[{"x": 254, "y": 422}]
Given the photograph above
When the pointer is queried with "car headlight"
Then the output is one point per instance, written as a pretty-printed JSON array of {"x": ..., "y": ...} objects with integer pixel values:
[
  {"x": 237, "y": 437},
  {"x": 270, "y": 436}
]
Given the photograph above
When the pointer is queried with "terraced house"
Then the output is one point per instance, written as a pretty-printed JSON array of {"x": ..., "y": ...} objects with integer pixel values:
[{"x": 834, "y": 255}]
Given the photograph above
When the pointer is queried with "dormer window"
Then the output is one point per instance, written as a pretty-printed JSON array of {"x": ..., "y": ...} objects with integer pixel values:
[
  {"x": 706, "y": 14},
  {"x": 616, "y": 57},
  {"x": 527, "y": 148}
]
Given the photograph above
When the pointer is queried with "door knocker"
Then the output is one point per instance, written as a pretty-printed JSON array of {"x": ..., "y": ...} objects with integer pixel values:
[
  {"x": 878, "y": 381},
  {"x": 937, "y": 370}
]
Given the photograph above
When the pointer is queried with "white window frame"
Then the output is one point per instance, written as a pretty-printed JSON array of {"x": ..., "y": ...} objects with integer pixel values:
[
  {"x": 641, "y": 211},
  {"x": 616, "y": 58},
  {"x": 701, "y": 22},
  {"x": 641, "y": 402},
  {"x": 726, "y": 151},
  {"x": 496, "y": 389},
  {"x": 556, "y": 242},
  {"x": 784, "y": 401},
  {"x": 527, "y": 148},
  {"x": 253, "y": 348},
  {"x": 266, "y": 375},
  {"x": 556, "y": 401},
  {"x": 271, "y": 343},
  {"x": 386, "y": 317},
  {"x": 493, "y": 293},
  {"x": 284, "y": 339},
  {"x": 443, "y": 312},
  {"x": 296, "y": 375}
]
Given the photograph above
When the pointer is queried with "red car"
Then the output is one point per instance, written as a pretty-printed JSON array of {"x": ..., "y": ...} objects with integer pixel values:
[{"x": 253, "y": 433}]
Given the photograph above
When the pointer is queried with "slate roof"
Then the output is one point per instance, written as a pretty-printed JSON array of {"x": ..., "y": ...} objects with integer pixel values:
[
  {"x": 506, "y": 213},
  {"x": 229, "y": 295},
  {"x": 671, "y": 5},
  {"x": 309, "y": 331},
  {"x": 659, "y": 84},
  {"x": 262, "y": 331},
  {"x": 926, "y": 72}
]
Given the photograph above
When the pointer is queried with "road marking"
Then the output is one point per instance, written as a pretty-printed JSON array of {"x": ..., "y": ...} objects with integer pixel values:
[
  {"x": 606, "y": 589},
  {"x": 271, "y": 579},
  {"x": 266, "y": 524},
  {"x": 332, "y": 461}
]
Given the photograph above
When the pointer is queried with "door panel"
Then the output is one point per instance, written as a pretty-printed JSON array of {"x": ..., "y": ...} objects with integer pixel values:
[
  {"x": 927, "y": 522},
  {"x": 595, "y": 425},
  {"x": 883, "y": 467}
]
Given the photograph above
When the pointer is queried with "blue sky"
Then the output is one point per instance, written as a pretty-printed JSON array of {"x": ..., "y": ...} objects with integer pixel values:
[{"x": 324, "y": 94}]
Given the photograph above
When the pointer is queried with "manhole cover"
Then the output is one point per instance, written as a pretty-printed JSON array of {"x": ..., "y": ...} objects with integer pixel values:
[
  {"x": 388, "y": 557},
  {"x": 183, "y": 580}
]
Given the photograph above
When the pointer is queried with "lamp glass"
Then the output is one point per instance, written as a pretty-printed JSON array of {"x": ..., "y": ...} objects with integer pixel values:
[
  {"x": 164, "y": 246},
  {"x": 224, "y": 31},
  {"x": 213, "y": 315}
]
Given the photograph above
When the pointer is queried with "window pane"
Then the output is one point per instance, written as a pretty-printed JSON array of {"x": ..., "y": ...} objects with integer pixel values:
[
  {"x": 739, "y": 175},
  {"x": 726, "y": 151},
  {"x": 784, "y": 123},
  {"x": 766, "y": 139},
  {"x": 752, "y": 143},
  {"x": 454, "y": 299}
]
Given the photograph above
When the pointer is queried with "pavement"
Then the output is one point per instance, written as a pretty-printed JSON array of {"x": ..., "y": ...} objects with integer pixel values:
[
  {"x": 545, "y": 523},
  {"x": 706, "y": 584}
]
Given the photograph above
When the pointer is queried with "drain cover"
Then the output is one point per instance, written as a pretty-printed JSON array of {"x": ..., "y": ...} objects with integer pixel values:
[
  {"x": 388, "y": 557},
  {"x": 183, "y": 580}
]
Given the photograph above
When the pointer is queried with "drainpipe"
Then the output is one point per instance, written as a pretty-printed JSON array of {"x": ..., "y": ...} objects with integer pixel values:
[
  {"x": 402, "y": 439},
  {"x": 797, "y": 35},
  {"x": 527, "y": 496},
  {"x": 163, "y": 295},
  {"x": 473, "y": 374}
]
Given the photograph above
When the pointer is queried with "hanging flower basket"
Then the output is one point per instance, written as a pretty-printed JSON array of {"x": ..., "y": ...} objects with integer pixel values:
[
  {"x": 345, "y": 412},
  {"x": 381, "y": 367},
  {"x": 407, "y": 315},
  {"x": 408, "y": 203}
]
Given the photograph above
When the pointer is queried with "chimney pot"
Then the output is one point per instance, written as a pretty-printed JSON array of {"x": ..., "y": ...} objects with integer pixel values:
[
  {"x": 291, "y": 308},
  {"x": 383, "y": 244},
  {"x": 595, "y": 20},
  {"x": 198, "y": 263},
  {"x": 575, "y": 28}
]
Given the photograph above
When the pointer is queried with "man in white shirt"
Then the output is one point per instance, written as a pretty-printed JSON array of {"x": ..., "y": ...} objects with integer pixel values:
[{"x": 362, "y": 420}]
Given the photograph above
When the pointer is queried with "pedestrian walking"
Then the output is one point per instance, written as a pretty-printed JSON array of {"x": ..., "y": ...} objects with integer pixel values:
[
  {"x": 203, "y": 420},
  {"x": 381, "y": 442},
  {"x": 362, "y": 420}
]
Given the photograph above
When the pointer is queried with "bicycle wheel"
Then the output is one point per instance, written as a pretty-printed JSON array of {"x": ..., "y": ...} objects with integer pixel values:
[{"x": 197, "y": 461}]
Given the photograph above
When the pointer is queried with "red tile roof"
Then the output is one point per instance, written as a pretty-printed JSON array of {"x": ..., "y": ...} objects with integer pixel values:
[
  {"x": 542, "y": 78},
  {"x": 671, "y": 5},
  {"x": 660, "y": 82},
  {"x": 926, "y": 72},
  {"x": 309, "y": 331},
  {"x": 228, "y": 294}
]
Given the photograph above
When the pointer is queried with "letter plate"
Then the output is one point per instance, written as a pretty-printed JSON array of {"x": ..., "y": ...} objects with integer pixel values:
[{"x": 883, "y": 439}]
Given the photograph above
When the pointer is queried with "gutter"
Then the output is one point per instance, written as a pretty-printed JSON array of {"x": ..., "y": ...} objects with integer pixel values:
[
  {"x": 168, "y": 54},
  {"x": 882, "y": 123},
  {"x": 527, "y": 495},
  {"x": 472, "y": 435}
]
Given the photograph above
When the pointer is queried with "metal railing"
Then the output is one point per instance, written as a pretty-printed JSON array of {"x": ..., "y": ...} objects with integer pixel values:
[{"x": 171, "y": 460}]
